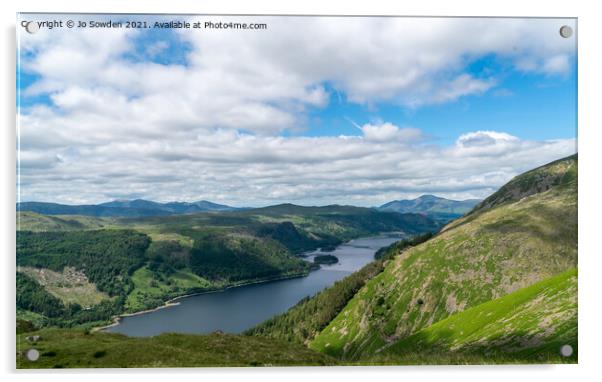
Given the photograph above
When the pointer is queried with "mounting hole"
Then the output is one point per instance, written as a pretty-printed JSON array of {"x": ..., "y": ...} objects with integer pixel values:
[
  {"x": 566, "y": 350},
  {"x": 566, "y": 31},
  {"x": 32, "y": 27},
  {"x": 32, "y": 355}
]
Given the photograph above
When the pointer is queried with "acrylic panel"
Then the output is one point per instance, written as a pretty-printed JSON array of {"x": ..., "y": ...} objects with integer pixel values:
[{"x": 254, "y": 190}]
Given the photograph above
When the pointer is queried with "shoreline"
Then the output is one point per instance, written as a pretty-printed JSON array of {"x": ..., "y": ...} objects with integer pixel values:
[{"x": 174, "y": 301}]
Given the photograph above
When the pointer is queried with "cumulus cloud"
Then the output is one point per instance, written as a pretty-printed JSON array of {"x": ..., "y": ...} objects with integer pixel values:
[
  {"x": 389, "y": 132},
  {"x": 211, "y": 127},
  {"x": 256, "y": 170},
  {"x": 485, "y": 139},
  {"x": 263, "y": 81}
]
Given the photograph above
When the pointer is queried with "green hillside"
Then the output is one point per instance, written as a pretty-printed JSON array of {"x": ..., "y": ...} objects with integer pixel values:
[
  {"x": 296, "y": 227},
  {"x": 532, "y": 323},
  {"x": 498, "y": 285},
  {"x": 520, "y": 239},
  {"x": 116, "y": 265},
  {"x": 305, "y": 320},
  {"x": 32, "y": 221},
  {"x": 310, "y": 316},
  {"x": 562, "y": 172},
  {"x": 79, "y": 349}
]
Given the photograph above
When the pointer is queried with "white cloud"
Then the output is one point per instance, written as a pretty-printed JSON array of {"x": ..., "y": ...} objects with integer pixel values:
[
  {"x": 264, "y": 81},
  {"x": 212, "y": 128},
  {"x": 244, "y": 169},
  {"x": 557, "y": 64},
  {"x": 389, "y": 132},
  {"x": 485, "y": 139}
]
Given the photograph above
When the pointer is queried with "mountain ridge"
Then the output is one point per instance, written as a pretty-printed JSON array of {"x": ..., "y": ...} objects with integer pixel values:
[
  {"x": 417, "y": 303},
  {"x": 441, "y": 209},
  {"x": 124, "y": 208},
  {"x": 487, "y": 254}
]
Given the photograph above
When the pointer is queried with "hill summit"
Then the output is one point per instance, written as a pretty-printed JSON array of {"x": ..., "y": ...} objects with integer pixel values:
[
  {"x": 123, "y": 208},
  {"x": 497, "y": 285},
  {"x": 440, "y": 209}
]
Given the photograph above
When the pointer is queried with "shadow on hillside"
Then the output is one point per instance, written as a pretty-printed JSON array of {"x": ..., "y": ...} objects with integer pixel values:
[{"x": 560, "y": 227}]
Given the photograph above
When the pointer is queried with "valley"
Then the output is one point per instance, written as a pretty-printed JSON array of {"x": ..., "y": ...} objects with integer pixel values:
[
  {"x": 139, "y": 263},
  {"x": 496, "y": 285}
]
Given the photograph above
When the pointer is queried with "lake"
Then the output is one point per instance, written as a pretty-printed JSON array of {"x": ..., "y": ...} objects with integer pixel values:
[{"x": 237, "y": 309}]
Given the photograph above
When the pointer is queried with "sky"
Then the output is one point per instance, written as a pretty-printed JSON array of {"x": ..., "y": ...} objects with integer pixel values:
[{"x": 311, "y": 110}]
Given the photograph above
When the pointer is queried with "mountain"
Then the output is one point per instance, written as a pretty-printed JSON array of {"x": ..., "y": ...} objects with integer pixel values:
[
  {"x": 497, "y": 285},
  {"x": 440, "y": 209},
  {"x": 185, "y": 253},
  {"x": 123, "y": 208},
  {"x": 560, "y": 174}
]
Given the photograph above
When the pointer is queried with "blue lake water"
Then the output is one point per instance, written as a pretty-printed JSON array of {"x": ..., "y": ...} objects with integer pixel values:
[{"x": 237, "y": 309}]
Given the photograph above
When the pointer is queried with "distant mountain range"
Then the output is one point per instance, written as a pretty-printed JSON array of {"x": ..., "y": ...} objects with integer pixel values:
[
  {"x": 439, "y": 209},
  {"x": 124, "y": 208}
]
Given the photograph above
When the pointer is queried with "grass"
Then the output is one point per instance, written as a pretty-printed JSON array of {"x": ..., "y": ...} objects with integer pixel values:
[
  {"x": 36, "y": 319},
  {"x": 184, "y": 241},
  {"x": 32, "y": 221},
  {"x": 496, "y": 286},
  {"x": 80, "y": 349},
  {"x": 562, "y": 172},
  {"x": 151, "y": 291},
  {"x": 530, "y": 324},
  {"x": 480, "y": 257}
]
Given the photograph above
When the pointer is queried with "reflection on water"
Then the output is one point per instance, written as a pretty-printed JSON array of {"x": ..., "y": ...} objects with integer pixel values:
[{"x": 237, "y": 309}]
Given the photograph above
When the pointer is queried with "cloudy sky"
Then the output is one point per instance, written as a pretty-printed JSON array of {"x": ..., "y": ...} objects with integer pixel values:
[{"x": 311, "y": 111}]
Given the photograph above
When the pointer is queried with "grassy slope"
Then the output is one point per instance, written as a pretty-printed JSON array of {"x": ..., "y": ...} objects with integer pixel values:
[
  {"x": 557, "y": 173},
  {"x": 150, "y": 291},
  {"x": 78, "y": 349},
  {"x": 531, "y": 323},
  {"x": 485, "y": 255},
  {"x": 32, "y": 221}
]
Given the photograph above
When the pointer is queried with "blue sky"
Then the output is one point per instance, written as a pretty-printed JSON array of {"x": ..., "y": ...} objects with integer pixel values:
[
  {"x": 546, "y": 104},
  {"x": 533, "y": 106},
  {"x": 312, "y": 111}
]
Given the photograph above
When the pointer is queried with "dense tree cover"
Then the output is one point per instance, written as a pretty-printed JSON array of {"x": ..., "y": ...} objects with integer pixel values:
[
  {"x": 345, "y": 222},
  {"x": 288, "y": 235},
  {"x": 98, "y": 313},
  {"x": 33, "y": 297},
  {"x": 326, "y": 259},
  {"x": 107, "y": 257},
  {"x": 167, "y": 256},
  {"x": 236, "y": 257},
  {"x": 399, "y": 246}
]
